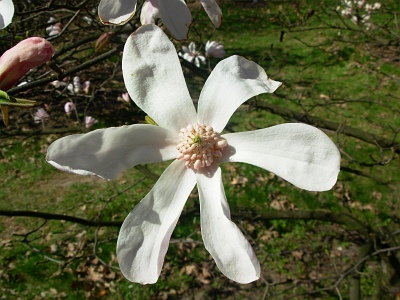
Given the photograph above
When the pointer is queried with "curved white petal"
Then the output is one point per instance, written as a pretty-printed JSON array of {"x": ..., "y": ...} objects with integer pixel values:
[
  {"x": 231, "y": 251},
  {"x": 176, "y": 17},
  {"x": 299, "y": 153},
  {"x": 185, "y": 49},
  {"x": 117, "y": 12},
  {"x": 149, "y": 12},
  {"x": 233, "y": 81},
  {"x": 154, "y": 79},
  {"x": 6, "y": 13},
  {"x": 106, "y": 152},
  {"x": 213, "y": 11},
  {"x": 192, "y": 47},
  {"x": 146, "y": 231}
]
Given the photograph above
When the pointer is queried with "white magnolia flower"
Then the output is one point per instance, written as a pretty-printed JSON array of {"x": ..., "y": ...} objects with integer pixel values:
[
  {"x": 174, "y": 13},
  {"x": 6, "y": 12},
  {"x": 214, "y": 49},
  {"x": 191, "y": 55},
  {"x": 90, "y": 121},
  {"x": 299, "y": 153}
]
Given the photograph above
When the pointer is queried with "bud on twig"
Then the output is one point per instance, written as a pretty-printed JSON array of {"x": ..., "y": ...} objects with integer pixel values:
[{"x": 103, "y": 41}]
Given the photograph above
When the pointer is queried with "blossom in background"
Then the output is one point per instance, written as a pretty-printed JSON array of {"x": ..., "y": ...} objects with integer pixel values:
[
  {"x": 40, "y": 115},
  {"x": 17, "y": 61},
  {"x": 76, "y": 86},
  {"x": 353, "y": 10},
  {"x": 90, "y": 121},
  {"x": 214, "y": 49},
  {"x": 58, "y": 83},
  {"x": 299, "y": 153},
  {"x": 88, "y": 20},
  {"x": 175, "y": 14},
  {"x": 6, "y": 13},
  {"x": 54, "y": 29},
  {"x": 86, "y": 87},
  {"x": 103, "y": 41},
  {"x": 125, "y": 97},
  {"x": 69, "y": 107},
  {"x": 191, "y": 55}
]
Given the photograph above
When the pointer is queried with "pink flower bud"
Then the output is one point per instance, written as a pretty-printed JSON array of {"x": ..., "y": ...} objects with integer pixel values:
[
  {"x": 86, "y": 87},
  {"x": 69, "y": 107},
  {"x": 126, "y": 98},
  {"x": 18, "y": 60},
  {"x": 40, "y": 115}
]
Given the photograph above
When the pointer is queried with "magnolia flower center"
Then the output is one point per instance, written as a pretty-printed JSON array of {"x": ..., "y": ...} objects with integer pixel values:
[{"x": 199, "y": 146}]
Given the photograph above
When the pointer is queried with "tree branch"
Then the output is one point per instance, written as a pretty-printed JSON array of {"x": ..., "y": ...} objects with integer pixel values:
[{"x": 324, "y": 216}]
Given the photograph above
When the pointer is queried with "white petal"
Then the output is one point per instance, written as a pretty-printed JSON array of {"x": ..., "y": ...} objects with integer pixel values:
[
  {"x": 188, "y": 57},
  {"x": 233, "y": 81},
  {"x": 154, "y": 79},
  {"x": 176, "y": 17},
  {"x": 149, "y": 12},
  {"x": 213, "y": 11},
  {"x": 197, "y": 62},
  {"x": 192, "y": 47},
  {"x": 299, "y": 153},
  {"x": 116, "y": 12},
  {"x": 186, "y": 49},
  {"x": 231, "y": 251},
  {"x": 106, "y": 152},
  {"x": 6, "y": 13},
  {"x": 146, "y": 231}
]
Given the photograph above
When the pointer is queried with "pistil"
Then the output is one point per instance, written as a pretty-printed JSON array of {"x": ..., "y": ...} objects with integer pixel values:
[{"x": 199, "y": 146}]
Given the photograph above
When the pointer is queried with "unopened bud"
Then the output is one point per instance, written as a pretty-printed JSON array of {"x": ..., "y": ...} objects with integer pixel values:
[{"x": 103, "y": 41}]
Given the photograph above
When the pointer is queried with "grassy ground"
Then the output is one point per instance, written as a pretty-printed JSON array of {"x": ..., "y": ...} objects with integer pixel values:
[{"x": 352, "y": 83}]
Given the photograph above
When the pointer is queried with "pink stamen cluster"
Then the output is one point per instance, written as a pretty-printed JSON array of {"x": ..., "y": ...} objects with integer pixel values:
[{"x": 199, "y": 146}]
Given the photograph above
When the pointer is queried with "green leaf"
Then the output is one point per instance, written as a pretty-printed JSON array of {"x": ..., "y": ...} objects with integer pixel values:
[{"x": 7, "y": 100}]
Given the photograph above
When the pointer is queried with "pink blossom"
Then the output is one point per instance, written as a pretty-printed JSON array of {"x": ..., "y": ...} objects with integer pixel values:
[
  {"x": 40, "y": 115},
  {"x": 90, "y": 121},
  {"x": 69, "y": 107},
  {"x": 125, "y": 97},
  {"x": 18, "y": 60}
]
